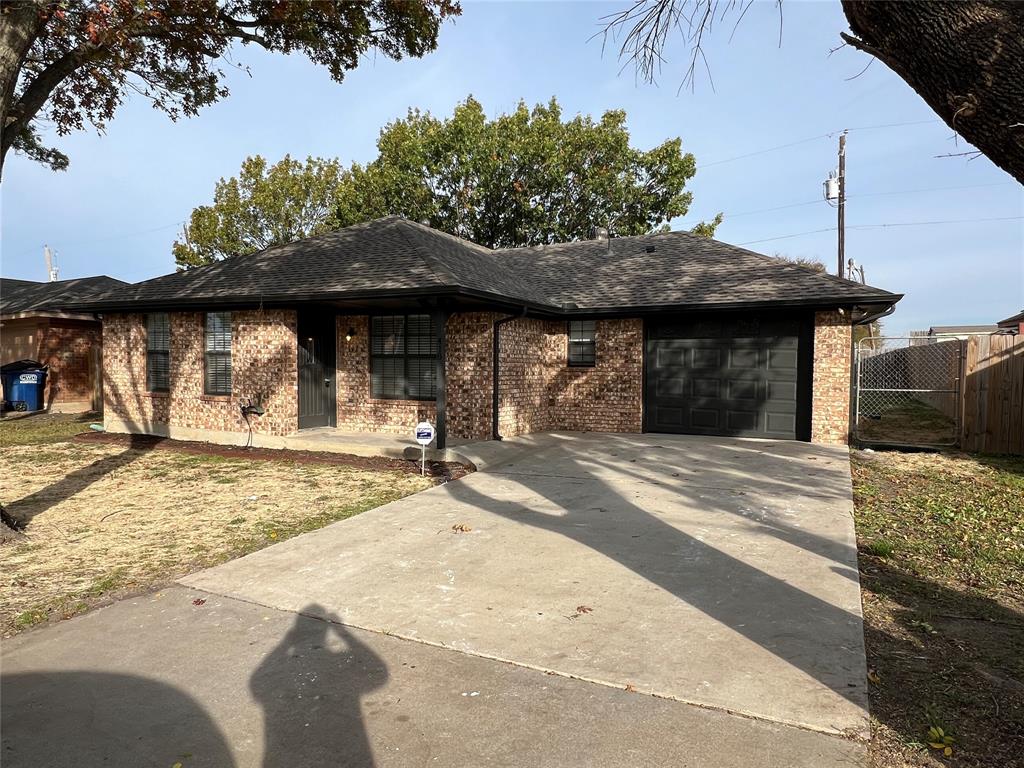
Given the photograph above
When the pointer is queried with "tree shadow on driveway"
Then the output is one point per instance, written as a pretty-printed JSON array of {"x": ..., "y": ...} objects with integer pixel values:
[{"x": 797, "y": 624}]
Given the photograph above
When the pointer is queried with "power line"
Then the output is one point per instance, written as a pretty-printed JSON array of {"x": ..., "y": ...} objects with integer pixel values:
[
  {"x": 129, "y": 234},
  {"x": 871, "y": 194},
  {"x": 809, "y": 139},
  {"x": 786, "y": 237},
  {"x": 926, "y": 223},
  {"x": 879, "y": 226}
]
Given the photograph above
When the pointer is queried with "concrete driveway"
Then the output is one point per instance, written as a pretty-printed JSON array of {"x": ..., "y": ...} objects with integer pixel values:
[{"x": 643, "y": 574}]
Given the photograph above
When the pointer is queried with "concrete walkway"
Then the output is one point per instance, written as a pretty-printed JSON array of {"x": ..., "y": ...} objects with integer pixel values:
[{"x": 584, "y": 573}]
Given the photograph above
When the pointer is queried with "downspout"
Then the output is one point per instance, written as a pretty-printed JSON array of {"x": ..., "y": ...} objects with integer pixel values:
[{"x": 495, "y": 368}]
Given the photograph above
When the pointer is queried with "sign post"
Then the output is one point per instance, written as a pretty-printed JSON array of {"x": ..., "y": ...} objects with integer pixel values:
[{"x": 424, "y": 436}]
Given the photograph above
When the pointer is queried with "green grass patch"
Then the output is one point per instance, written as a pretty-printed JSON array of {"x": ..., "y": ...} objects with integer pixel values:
[
  {"x": 947, "y": 517},
  {"x": 941, "y": 539},
  {"x": 41, "y": 428},
  {"x": 28, "y": 619}
]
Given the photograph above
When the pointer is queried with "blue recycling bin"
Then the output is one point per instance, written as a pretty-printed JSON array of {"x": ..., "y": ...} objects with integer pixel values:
[{"x": 23, "y": 382}]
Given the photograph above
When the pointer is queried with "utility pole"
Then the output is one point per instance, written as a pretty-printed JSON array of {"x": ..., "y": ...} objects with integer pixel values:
[{"x": 842, "y": 204}]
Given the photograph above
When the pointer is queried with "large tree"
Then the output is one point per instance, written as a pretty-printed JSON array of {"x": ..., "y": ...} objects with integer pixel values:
[
  {"x": 264, "y": 205},
  {"x": 73, "y": 62},
  {"x": 964, "y": 58},
  {"x": 523, "y": 178}
]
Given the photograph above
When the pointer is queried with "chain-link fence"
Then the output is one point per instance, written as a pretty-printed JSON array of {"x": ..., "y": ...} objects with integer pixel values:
[{"x": 907, "y": 391}]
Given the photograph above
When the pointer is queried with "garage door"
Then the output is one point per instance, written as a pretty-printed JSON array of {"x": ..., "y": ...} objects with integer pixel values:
[{"x": 745, "y": 377}]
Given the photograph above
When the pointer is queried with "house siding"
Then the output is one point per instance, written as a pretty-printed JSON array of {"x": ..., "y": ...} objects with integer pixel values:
[
  {"x": 263, "y": 367},
  {"x": 830, "y": 401}
]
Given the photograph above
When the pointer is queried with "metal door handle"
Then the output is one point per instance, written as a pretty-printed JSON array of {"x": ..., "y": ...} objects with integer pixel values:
[{"x": 327, "y": 382}]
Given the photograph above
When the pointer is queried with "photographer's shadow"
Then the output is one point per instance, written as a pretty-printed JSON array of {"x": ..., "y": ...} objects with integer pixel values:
[{"x": 310, "y": 688}]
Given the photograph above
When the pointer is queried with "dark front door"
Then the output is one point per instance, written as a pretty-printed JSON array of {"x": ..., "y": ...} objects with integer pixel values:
[
  {"x": 744, "y": 376},
  {"x": 317, "y": 349}
]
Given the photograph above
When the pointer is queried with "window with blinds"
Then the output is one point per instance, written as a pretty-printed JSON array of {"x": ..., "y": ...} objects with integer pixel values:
[
  {"x": 582, "y": 342},
  {"x": 217, "y": 343},
  {"x": 158, "y": 352},
  {"x": 403, "y": 357}
]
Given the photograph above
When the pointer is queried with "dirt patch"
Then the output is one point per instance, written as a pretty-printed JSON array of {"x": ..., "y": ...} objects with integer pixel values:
[
  {"x": 941, "y": 549},
  {"x": 913, "y": 423},
  {"x": 438, "y": 469},
  {"x": 104, "y": 517}
]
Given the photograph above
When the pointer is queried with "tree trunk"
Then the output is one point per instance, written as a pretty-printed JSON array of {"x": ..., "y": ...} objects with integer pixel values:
[
  {"x": 20, "y": 24},
  {"x": 9, "y": 528},
  {"x": 965, "y": 59}
]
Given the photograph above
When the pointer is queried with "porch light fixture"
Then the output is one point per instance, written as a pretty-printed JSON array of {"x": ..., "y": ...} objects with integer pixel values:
[{"x": 350, "y": 333}]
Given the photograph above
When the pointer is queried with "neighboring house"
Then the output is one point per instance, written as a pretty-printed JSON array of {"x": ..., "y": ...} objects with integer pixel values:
[
  {"x": 1013, "y": 324},
  {"x": 36, "y": 324},
  {"x": 962, "y": 332},
  {"x": 380, "y": 325}
]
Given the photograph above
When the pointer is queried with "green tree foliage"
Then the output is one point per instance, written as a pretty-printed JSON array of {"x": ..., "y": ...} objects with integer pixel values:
[
  {"x": 73, "y": 62},
  {"x": 262, "y": 206},
  {"x": 524, "y": 178}
]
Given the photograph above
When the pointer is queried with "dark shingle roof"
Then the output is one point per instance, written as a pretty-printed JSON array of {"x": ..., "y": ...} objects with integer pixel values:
[
  {"x": 18, "y": 296},
  {"x": 1013, "y": 321},
  {"x": 394, "y": 255},
  {"x": 674, "y": 268}
]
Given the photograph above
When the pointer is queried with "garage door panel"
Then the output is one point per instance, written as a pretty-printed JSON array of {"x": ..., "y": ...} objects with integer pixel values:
[
  {"x": 749, "y": 359},
  {"x": 671, "y": 356},
  {"x": 705, "y": 418},
  {"x": 782, "y": 359},
  {"x": 672, "y": 388},
  {"x": 704, "y": 357},
  {"x": 782, "y": 390},
  {"x": 783, "y": 423},
  {"x": 739, "y": 389},
  {"x": 741, "y": 421},
  {"x": 707, "y": 388},
  {"x": 738, "y": 377}
]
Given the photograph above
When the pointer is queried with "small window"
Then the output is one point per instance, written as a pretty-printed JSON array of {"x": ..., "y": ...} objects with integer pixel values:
[
  {"x": 403, "y": 357},
  {"x": 158, "y": 349},
  {"x": 582, "y": 347},
  {"x": 217, "y": 378}
]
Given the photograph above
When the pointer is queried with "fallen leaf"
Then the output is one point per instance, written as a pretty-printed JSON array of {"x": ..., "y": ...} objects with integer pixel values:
[
  {"x": 584, "y": 609},
  {"x": 461, "y": 528},
  {"x": 873, "y": 676},
  {"x": 630, "y": 688},
  {"x": 199, "y": 601}
]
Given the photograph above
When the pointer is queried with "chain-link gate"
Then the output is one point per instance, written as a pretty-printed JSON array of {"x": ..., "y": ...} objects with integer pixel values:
[{"x": 907, "y": 391}]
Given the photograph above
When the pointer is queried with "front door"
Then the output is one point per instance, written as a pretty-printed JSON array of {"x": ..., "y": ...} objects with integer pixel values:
[{"x": 317, "y": 349}]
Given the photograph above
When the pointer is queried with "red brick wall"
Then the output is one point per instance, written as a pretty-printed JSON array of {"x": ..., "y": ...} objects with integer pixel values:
[
  {"x": 66, "y": 346},
  {"x": 540, "y": 391},
  {"x": 470, "y": 372},
  {"x": 357, "y": 411},
  {"x": 263, "y": 362},
  {"x": 830, "y": 409}
]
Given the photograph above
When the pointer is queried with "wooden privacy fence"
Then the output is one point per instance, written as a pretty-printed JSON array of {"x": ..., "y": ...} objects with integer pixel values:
[{"x": 992, "y": 418}]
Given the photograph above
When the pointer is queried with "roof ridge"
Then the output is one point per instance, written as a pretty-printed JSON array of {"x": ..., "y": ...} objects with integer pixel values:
[{"x": 444, "y": 275}]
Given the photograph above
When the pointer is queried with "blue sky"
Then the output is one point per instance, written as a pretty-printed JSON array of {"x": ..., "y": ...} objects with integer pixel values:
[{"x": 120, "y": 206}]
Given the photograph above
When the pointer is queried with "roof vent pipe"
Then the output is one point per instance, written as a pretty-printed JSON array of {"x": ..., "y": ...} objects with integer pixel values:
[{"x": 599, "y": 233}]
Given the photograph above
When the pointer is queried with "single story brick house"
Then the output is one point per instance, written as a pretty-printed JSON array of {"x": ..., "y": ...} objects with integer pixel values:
[
  {"x": 37, "y": 324},
  {"x": 380, "y": 325}
]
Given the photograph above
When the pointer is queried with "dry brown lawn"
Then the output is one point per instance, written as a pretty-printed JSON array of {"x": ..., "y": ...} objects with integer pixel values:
[{"x": 105, "y": 520}]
